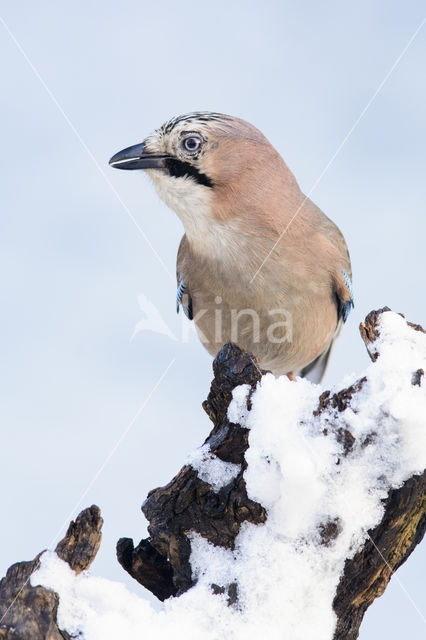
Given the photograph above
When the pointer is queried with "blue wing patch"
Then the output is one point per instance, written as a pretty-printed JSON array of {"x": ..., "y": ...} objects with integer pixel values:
[
  {"x": 187, "y": 309},
  {"x": 180, "y": 291},
  {"x": 348, "y": 304}
]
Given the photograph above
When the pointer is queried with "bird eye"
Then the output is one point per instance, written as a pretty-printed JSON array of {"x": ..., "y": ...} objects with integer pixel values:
[{"x": 191, "y": 143}]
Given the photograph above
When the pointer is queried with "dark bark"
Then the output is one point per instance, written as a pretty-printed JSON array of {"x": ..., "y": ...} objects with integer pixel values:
[
  {"x": 388, "y": 546},
  {"x": 29, "y": 613},
  {"x": 82, "y": 540},
  {"x": 366, "y": 576},
  {"x": 147, "y": 566},
  {"x": 188, "y": 504}
]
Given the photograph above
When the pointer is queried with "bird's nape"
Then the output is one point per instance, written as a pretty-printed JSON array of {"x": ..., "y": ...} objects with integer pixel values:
[{"x": 259, "y": 264}]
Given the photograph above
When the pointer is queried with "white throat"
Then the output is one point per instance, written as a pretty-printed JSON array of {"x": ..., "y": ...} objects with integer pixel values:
[{"x": 193, "y": 204}]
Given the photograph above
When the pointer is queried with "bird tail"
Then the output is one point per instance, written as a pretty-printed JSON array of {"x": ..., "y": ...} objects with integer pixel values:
[{"x": 315, "y": 370}]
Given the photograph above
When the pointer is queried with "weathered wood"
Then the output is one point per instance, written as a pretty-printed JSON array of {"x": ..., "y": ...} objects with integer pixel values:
[
  {"x": 26, "y": 611},
  {"x": 82, "y": 540},
  {"x": 147, "y": 566},
  {"x": 30, "y": 613},
  {"x": 369, "y": 330},
  {"x": 366, "y": 576},
  {"x": 188, "y": 504}
]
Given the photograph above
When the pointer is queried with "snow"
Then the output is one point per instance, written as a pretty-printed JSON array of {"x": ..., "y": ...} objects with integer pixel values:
[
  {"x": 212, "y": 469},
  {"x": 286, "y": 577}
]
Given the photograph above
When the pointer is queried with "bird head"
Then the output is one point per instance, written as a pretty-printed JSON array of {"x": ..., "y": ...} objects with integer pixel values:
[{"x": 209, "y": 167}]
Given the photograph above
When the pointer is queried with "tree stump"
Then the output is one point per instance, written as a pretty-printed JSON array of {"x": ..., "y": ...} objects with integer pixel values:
[
  {"x": 30, "y": 613},
  {"x": 188, "y": 504}
]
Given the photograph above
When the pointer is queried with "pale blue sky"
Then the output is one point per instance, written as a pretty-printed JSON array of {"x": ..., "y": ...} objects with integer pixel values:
[{"x": 73, "y": 263}]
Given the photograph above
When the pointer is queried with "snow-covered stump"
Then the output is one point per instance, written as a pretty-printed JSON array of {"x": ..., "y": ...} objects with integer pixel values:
[
  {"x": 29, "y": 612},
  {"x": 336, "y": 482},
  {"x": 289, "y": 520},
  {"x": 208, "y": 496}
]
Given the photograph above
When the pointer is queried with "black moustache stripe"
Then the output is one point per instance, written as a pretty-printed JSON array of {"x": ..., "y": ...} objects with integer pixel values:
[{"x": 178, "y": 169}]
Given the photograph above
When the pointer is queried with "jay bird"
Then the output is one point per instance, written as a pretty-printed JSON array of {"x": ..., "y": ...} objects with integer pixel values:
[{"x": 259, "y": 264}]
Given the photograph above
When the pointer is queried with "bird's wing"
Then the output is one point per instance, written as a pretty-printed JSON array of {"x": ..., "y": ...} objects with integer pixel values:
[
  {"x": 336, "y": 238},
  {"x": 344, "y": 295},
  {"x": 343, "y": 292},
  {"x": 341, "y": 273},
  {"x": 183, "y": 296}
]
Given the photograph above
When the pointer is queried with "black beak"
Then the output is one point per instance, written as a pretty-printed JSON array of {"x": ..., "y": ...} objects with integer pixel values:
[{"x": 136, "y": 158}]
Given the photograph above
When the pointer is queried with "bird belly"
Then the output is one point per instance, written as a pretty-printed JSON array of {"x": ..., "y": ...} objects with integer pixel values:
[{"x": 284, "y": 336}]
